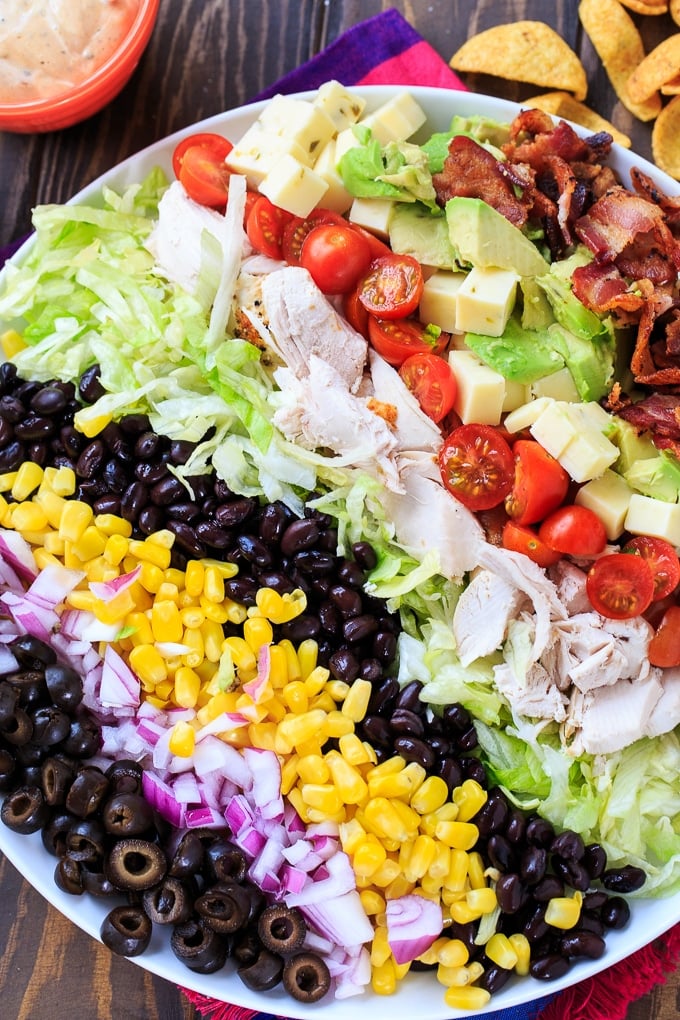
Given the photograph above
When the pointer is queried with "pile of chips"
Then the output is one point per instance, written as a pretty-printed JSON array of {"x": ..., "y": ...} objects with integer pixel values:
[{"x": 532, "y": 52}]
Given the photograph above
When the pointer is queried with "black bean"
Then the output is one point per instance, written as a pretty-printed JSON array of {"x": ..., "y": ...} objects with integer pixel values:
[
  {"x": 474, "y": 769},
  {"x": 133, "y": 501},
  {"x": 151, "y": 473},
  {"x": 303, "y": 628},
  {"x": 549, "y": 968},
  {"x": 12, "y": 456},
  {"x": 211, "y": 534},
  {"x": 180, "y": 451},
  {"x": 468, "y": 740},
  {"x": 235, "y": 512},
  {"x": 595, "y": 860},
  {"x": 440, "y": 745},
  {"x": 115, "y": 476},
  {"x": 6, "y": 431},
  {"x": 279, "y": 581},
  {"x": 548, "y": 888},
  {"x": 533, "y": 864},
  {"x": 573, "y": 873},
  {"x": 493, "y": 815},
  {"x": 409, "y": 696},
  {"x": 12, "y": 409},
  {"x": 450, "y": 771},
  {"x": 501, "y": 853},
  {"x": 595, "y": 899},
  {"x": 37, "y": 453},
  {"x": 166, "y": 491},
  {"x": 185, "y": 536},
  {"x": 457, "y": 718},
  {"x": 623, "y": 880},
  {"x": 187, "y": 511},
  {"x": 535, "y": 927},
  {"x": 404, "y": 721},
  {"x": 73, "y": 441},
  {"x": 253, "y": 550},
  {"x": 365, "y": 555},
  {"x": 301, "y": 534},
  {"x": 582, "y": 943},
  {"x": 516, "y": 827},
  {"x": 376, "y": 729},
  {"x": 540, "y": 832},
  {"x": 414, "y": 749},
  {"x": 494, "y": 978},
  {"x": 91, "y": 459},
  {"x": 347, "y": 600},
  {"x": 89, "y": 386},
  {"x": 370, "y": 669},
  {"x": 50, "y": 400},
  {"x": 384, "y": 647},
  {"x": 615, "y": 913},
  {"x": 384, "y": 696},
  {"x": 33, "y": 427},
  {"x": 314, "y": 562},
  {"x": 147, "y": 445},
  {"x": 329, "y": 618},
  {"x": 150, "y": 519},
  {"x": 568, "y": 845},
  {"x": 351, "y": 574},
  {"x": 510, "y": 893},
  {"x": 344, "y": 665},
  {"x": 241, "y": 589},
  {"x": 591, "y": 922},
  {"x": 134, "y": 424},
  {"x": 274, "y": 520},
  {"x": 358, "y": 628}
]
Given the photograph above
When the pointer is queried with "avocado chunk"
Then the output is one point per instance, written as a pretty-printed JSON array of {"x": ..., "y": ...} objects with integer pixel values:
[
  {"x": 658, "y": 477},
  {"x": 415, "y": 231},
  {"x": 633, "y": 447},
  {"x": 483, "y": 237},
  {"x": 520, "y": 355},
  {"x": 591, "y": 362}
]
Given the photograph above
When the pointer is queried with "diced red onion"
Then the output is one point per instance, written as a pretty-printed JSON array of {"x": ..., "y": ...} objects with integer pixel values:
[
  {"x": 413, "y": 924},
  {"x": 106, "y": 590},
  {"x": 162, "y": 799},
  {"x": 15, "y": 551},
  {"x": 119, "y": 686},
  {"x": 342, "y": 919},
  {"x": 254, "y": 688},
  {"x": 53, "y": 584}
]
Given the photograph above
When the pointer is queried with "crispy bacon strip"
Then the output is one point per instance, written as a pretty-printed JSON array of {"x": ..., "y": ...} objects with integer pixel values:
[
  {"x": 658, "y": 413},
  {"x": 601, "y": 287},
  {"x": 617, "y": 219},
  {"x": 471, "y": 171}
]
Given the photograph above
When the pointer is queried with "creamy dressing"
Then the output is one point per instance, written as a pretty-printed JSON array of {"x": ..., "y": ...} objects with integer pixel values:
[{"x": 48, "y": 46}]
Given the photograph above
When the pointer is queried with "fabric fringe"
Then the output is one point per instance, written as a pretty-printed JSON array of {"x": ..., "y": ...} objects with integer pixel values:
[{"x": 608, "y": 995}]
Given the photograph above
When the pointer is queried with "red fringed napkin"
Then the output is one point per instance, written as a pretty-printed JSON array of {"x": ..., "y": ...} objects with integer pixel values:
[{"x": 386, "y": 50}]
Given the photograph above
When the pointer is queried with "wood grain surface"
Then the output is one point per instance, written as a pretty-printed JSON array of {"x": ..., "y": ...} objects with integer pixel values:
[{"x": 206, "y": 56}]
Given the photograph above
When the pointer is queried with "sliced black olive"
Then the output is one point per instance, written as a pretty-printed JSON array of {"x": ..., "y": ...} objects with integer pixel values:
[
  {"x": 127, "y": 814},
  {"x": 306, "y": 977},
  {"x": 24, "y": 810},
  {"x": 186, "y": 854},
  {"x": 264, "y": 973},
  {"x": 126, "y": 931},
  {"x": 19, "y": 729},
  {"x": 246, "y": 945},
  {"x": 68, "y": 876},
  {"x": 56, "y": 777},
  {"x": 96, "y": 883},
  {"x": 50, "y": 725},
  {"x": 84, "y": 738},
  {"x": 135, "y": 864},
  {"x": 87, "y": 791},
  {"x": 169, "y": 902},
  {"x": 64, "y": 686},
  {"x": 224, "y": 861},
  {"x": 125, "y": 776},
  {"x": 225, "y": 906},
  {"x": 30, "y": 684},
  {"x": 8, "y": 770},
  {"x": 199, "y": 947},
  {"x": 85, "y": 841},
  {"x": 55, "y": 830},
  {"x": 31, "y": 652},
  {"x": 9, "y": 700},
  {"x": 282, "y": 929}
]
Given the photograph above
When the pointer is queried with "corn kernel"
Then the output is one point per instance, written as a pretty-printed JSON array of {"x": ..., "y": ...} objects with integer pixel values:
[
  {"x": 194, "y": 578},
  {"x": 457, "y": 835},
  {"x": 380, "y": 947},
  {"x": 386, "y": 874},
  {"x": 476, "y": 869},
  {"x": 149, "y": 551},
  {"x": 563, "y": 911},
  {"x": 187, "y": 686},
  {"x": 372, "y": 902},
  {"x": 54, "y": 544},
  {"x": 242, "y": 654},
  {"x": 384, "y": 820},
  {"x": 143, "y": 635},
  {"x": 193, "y": 640},
  {"x": 430, "y": 795},
  {"x": 336, "y": 723},
  {"x": 75, "y": 518},
  {"x": 441, "y": 862},
  {"x": 115, "y": 549},
  {"x": 148, "y": 664},
  {"x": 312, "y": 768},
  {"x": 182, "y": 740},
  {"x": 423, "y": 852},
  {"x": 349, "y": 781},
  {"x": 7, "y": 480},
  {"x": 469, "y": 798},
  {"x": 213, "y": 637},
  {"x": 520, "y": 943},
  {"x": 452, "y": 953},
  {"x": 166, "y": 623},
  {"x": 62, "y": 480},
  {"x": 368, "y": 857},
  {"x": 289, "y": 774},
  {"x": 52, "y": 505},
  {"x": 295, "y": 729},
  {"x": 12, "y": 342},
  {"x": 27, "y": 479},
  {"x": 356, "y": 703},
  {"x": 469, "y": 997},
  {"x": 280, "y": 608},
  {"x": 481, "y": 901},
  {"x": 352, "y": 749},
  {"x": 257, "y": 632},
  {"x": 384, "y": 978},
  {"x": 28, "y": 517},
  {"x": 110, "y": 524}
]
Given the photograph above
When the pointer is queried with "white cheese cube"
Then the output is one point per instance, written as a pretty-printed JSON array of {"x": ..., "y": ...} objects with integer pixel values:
[
  {"x": 438, "y": 301},
  {"x": 485, "y": 300},
  {"x": 609, "y": 497},
  {"x": 341, "y": 106},
  {"x": 649, "y": 516},
  {"x": 293, "y": 186},
  {"x": 259, "y": 152},
  {"x": 309, "y": 126},
  {"x": 337, "y": 197},
  {"x": 553, "y": 428},
  {"x": 560, "y": 386},
  {"x": 524, "y": 416},
  {"x": 480, "y": 390},
  {"x": 344, "y": 141},
  {"x": 396, "y": 120},
  {"x": 372, "y": 214},
  {"x": 587, "y": 455},
  {"x": 515, "y": 395}
]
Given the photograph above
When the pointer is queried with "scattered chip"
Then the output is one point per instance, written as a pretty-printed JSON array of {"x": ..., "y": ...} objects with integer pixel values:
[
  {"x": 661, "y": 65},
  {"x": 672, "y": 87},
  {"x": 527, "y": 51},
  {"x": 674, "y": 10},
  {"x": 619, "y": 46},
  {"x": 666, "y": 139},
  {"x": 645, "y": 6},
  {"x": 563, "y": 104}
]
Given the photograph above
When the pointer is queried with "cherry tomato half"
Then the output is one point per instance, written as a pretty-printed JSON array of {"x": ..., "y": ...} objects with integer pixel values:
[
  {"x": 476, "y": 466},
  {"x": 199, "y": 166},
  {"x": 297, "y": 229},
  {"x": 396, "y": 339},
  {"x": 663, "y": 560},
  {"x": 521, "y": 538},
  {"x": 574, "y": 530},
  {"x": 540, "y": 485},
  {"x": 392, "y": 287},
  {"x": 664, "y": 647},
  {"x": 378, "y": 247},
  {"x": 432, "y": 382},
  {"x": 355, "y": 313},
  {"x": 265, "y": 225},
  {"x": 620, "y": 586},
  {"x": 336, "y": 257}
]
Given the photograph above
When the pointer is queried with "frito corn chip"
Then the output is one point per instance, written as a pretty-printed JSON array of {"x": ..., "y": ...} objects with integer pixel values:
[
  {"x": 674, "y": 10},
  {"x": 645, "y": 6},
  {"x": 671, "y": 88},
  {"x": 660, "y": 66},
  {"x": 619, "y": 46},
  {"x": 528, "y": 51},
  {"x": 666, "y": 139},
  {"x": 563, "y": 104}
]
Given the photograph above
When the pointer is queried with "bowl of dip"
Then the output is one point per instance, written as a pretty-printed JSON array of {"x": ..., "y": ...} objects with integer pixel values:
[{"x": 62, "y": 61}]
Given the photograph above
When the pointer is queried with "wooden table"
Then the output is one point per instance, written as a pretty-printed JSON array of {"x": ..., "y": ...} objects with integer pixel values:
[{"x": 207, "y": 56}]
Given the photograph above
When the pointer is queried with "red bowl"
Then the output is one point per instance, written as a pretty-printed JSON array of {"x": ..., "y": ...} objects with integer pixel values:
[{"x": 91, "y": 95}]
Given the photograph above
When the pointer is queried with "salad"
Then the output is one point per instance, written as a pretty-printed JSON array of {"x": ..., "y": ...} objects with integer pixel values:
[{"x": 434, "y": 383}]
